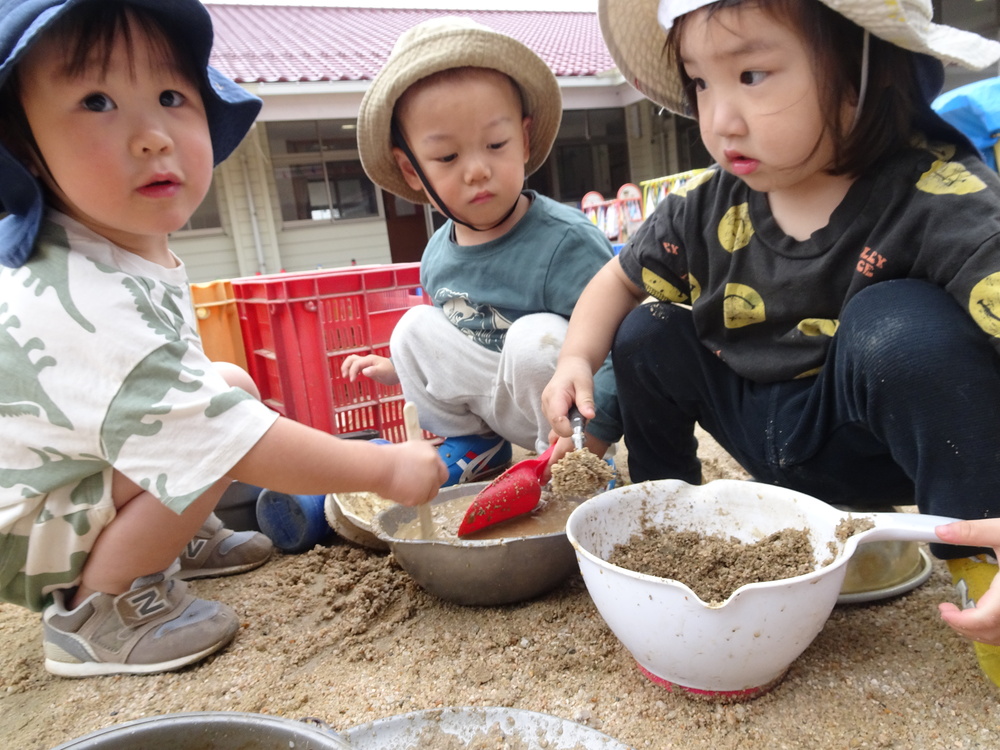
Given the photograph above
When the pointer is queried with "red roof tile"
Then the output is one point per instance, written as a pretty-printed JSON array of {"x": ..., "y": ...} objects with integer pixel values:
[{"x": 260, "y": 43}]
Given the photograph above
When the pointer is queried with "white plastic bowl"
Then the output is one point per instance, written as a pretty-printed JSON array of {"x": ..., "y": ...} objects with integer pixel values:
[{"x": 741, "y": 648}]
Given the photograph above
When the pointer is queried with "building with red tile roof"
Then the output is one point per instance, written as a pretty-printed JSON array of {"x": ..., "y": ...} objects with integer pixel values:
[
  {"x": 294, "y": 195},
  {"x": 268, "y": 44}
]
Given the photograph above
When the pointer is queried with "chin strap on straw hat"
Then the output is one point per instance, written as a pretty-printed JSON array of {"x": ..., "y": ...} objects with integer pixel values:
[{"x": 400, "y": 142}]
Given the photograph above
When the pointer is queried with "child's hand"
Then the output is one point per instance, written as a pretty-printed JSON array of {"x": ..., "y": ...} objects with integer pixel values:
[
  {"x": 414, "y": 472},
  {"x": 372, "y": 366},
  {"x": 981, "y": 623},
  {"x": 572, "y": 383}
]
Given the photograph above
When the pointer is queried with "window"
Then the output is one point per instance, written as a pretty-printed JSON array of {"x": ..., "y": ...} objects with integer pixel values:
[{"x": 317, "y": 171}]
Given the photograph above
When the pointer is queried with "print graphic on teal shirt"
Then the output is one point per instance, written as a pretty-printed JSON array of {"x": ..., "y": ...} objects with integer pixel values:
[{"x": 483, "y": 323}]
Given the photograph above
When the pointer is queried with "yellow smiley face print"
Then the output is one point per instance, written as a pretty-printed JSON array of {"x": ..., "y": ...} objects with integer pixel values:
[
  {"x": 735, "y": 229},
  {"x": 949, "y": 178},
  {"x": 742, "y": 306},
  {"x": 984, "y": 304}
]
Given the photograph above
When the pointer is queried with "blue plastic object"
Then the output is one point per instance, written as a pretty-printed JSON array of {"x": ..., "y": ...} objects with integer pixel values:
[
  {"x": 294, "y": 523},
  {"x": 974, "y": 109}
]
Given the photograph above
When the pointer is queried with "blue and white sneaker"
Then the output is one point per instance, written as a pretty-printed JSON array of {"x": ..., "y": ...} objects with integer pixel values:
[{"x": 471, "y": 458}]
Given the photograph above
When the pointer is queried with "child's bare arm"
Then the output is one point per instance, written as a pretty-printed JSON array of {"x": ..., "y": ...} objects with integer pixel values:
[
  {"x": 602, "y": 306},
  {"x": 294, "y": 458},
  {"x": 379, "y": 369}
]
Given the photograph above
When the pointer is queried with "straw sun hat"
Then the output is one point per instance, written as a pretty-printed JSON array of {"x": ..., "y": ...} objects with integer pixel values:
[
  {"x": 441, "y": 44},
  {"x": 634, "y": 31}
]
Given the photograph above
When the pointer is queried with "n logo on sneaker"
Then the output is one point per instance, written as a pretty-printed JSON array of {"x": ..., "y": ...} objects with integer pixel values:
[
  {"x": 194, "y": 548},
  {"x": 148, "y": 602}
]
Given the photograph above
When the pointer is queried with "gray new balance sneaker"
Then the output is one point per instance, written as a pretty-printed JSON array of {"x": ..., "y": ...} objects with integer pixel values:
[
  {"x": 155, "y": 626},
  {"x": 218, "y": 551}
]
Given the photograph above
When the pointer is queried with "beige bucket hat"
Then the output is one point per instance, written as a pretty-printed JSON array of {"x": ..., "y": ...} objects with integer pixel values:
[
  {"x": 635, "y": 33},
  {"x": 440, "y": 44}
]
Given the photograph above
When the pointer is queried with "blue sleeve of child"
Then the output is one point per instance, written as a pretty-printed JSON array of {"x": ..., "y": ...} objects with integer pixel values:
[
  {"x": 607, "y": 424},
  {"x": 583, "y": 251}
]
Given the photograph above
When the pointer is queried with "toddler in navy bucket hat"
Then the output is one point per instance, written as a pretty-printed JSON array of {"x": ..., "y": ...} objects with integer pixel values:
[
  {"x": 118, "y": 435},
  {"x": 229, "y": 109}
]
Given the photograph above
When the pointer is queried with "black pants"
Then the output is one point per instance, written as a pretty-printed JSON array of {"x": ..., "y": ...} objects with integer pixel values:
[{"x": 905, "y": 410}]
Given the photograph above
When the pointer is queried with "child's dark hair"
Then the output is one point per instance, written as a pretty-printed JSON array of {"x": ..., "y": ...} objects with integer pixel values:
[
  {"x": 892, "y": 100},
  {"x": 87, "y": 33}
]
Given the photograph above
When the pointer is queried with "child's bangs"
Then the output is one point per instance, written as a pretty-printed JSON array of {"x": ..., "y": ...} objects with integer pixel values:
[{"x": 89, "y": 34}]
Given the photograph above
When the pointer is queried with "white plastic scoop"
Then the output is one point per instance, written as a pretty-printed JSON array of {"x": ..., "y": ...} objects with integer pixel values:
[{"x": 742, "y": 647}]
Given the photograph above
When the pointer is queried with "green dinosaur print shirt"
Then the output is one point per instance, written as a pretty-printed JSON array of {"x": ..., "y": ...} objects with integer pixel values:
[{"x": 103, "y": 370}]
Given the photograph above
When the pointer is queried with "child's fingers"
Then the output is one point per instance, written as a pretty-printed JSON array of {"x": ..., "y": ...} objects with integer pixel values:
[
  {"x": 351, "y": 366},
  {"x": 978, "y": 624},
  {"x": 585, "y": 403},
  {"x": 557, "y": 397},
  {"x": 984, "y": 532},
  {"x": 418, "y": 474},
  {"x": 559, "y": 416}
]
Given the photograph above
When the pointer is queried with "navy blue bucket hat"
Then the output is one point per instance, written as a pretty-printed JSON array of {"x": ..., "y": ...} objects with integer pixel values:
[{"x": 230, "y": 109}]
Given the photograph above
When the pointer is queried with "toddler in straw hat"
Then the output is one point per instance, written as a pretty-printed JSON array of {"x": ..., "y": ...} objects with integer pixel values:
[
  {"x": 827, "y": 294},
  {"x": 459, "y": 115},
  {"x": 117, "y": 434}
]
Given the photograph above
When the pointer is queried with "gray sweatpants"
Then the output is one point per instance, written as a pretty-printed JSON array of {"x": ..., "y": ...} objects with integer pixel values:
[{"x": 462, "y": 388}]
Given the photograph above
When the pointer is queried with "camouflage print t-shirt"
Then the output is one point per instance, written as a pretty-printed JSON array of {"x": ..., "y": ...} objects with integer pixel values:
[{"x": 102, "y": 369}]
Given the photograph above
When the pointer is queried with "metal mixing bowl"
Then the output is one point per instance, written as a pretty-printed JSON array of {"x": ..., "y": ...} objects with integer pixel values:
[
  {"x": 218, "y": 730},
  {"x": 477, "y": 572},
  {"x": 881, "y": 570},
  {"x": 353, "y": 527}
]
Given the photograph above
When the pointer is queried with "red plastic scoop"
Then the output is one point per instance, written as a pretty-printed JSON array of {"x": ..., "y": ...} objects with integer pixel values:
[{"x": 513, "y": 493}]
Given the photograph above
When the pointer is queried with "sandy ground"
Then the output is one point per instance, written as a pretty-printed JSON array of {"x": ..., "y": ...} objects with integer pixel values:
[{"x": 342, "y": 634}]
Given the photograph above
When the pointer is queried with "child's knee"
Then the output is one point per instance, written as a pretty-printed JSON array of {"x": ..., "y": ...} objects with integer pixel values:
[
  {"x": 414, "y": 325},
  {"x": 644, "y": 325},
  {"x": 908, "y": 321},
  {"x": 533, "y": 341},
  {"x": 544, "y": 332}
]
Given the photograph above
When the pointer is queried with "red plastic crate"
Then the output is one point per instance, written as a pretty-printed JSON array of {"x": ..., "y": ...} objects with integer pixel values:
[{"x": 298, "y": 328}]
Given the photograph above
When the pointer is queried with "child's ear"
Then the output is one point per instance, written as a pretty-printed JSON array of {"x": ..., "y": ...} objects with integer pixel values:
[
  {"x": 526, "y": 130},
  {"x": 409, "y": 173}
]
